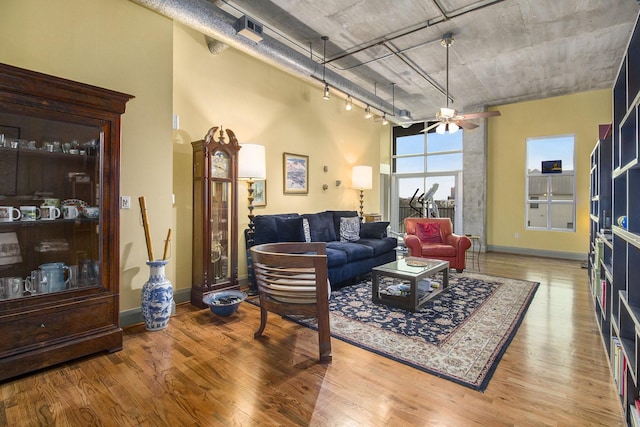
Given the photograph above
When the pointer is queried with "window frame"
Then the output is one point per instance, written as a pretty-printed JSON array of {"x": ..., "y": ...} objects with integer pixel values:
[{"x": 546, "y": 200}]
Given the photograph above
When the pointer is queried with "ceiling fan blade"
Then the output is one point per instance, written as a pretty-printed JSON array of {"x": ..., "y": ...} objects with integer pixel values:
[
  {"x": 480, "y": 115},
  {"x": 428, "y": 128},
  {"x": 466, "y": 125}
]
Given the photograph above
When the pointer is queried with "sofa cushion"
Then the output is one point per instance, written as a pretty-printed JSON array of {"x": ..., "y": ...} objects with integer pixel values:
[
  {"x": 290, "y": 229},
  {"x": 438, "y": 250},
  {"x": 321, "y": 227},
  {"x": 353, "y": 251},
  {"x": 349, "y": 229},
  {"x": 428, "y": 232},
  {"x": 336, "y": 257},
  {"x": 380, "y": 246},
  {"x": 266, "y": 230},
  {"x": 374, "y": 230}
]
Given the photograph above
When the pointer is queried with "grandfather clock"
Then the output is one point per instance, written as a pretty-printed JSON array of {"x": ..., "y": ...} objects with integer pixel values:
[{"x": 215, "y": 214}]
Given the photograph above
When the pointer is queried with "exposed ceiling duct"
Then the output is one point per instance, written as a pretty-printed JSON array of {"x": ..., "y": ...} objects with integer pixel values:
[{"x": 206, "y": 18}]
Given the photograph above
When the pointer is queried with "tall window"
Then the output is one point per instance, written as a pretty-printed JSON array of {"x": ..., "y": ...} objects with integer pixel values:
[
  {"x": 421, "y": 162},
  {"x": 550, "y": 203}
]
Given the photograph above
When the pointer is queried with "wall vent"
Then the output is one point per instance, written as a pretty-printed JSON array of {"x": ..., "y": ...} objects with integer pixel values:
[{"x": 250, "y": 28}]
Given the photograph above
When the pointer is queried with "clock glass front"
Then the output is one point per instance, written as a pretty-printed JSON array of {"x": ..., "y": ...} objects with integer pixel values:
[
  {"x": 220, "y": 165},
  {"x": 220, "y": 230}
]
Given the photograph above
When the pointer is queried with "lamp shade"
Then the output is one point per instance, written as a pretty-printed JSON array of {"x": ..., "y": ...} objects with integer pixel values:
[
  {"x": 362, "y": 177},
  {"x": 252, "y": 162}
]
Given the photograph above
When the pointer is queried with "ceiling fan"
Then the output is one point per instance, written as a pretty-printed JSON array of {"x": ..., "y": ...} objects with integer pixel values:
[{"x": 448, "y": 118}]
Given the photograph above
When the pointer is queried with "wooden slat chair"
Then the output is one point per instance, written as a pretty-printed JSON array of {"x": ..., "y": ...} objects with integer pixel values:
[{"x": 292, "y": 279}]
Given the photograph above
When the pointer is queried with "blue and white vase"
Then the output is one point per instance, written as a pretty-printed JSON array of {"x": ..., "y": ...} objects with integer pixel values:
[{"x": 157, "y": 297}]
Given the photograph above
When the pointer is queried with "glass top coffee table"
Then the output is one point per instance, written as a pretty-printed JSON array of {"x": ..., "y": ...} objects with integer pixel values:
[{"x": 412, "y": 290}]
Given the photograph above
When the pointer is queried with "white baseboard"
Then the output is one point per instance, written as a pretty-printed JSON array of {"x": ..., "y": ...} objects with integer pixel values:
[{"x": 538, "y": 252}]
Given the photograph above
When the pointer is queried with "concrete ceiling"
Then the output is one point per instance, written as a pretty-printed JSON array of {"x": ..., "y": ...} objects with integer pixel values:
[{"x": 504, "y": 50}]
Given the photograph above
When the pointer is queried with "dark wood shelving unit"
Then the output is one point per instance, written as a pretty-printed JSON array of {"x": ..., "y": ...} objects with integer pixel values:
[{"x": 41, "y": 329}]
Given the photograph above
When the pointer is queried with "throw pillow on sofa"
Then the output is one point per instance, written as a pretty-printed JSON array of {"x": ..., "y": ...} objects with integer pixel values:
[
  {"x": 428, "y": 232},
  {"x": 321, "y": 227},
  {"x": 290, "y": 229},
  {"x": 337, "y": 215},
  {"x": 374, "y": 230},
  {"x": 349, "y": 229},
  {"x": 306, "y": 230}
]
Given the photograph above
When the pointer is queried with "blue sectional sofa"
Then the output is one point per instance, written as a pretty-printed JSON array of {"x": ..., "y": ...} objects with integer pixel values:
[{"x": 350, "y": 253}]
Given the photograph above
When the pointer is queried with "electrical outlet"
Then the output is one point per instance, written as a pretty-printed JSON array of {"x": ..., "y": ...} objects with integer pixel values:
[{"x": 125, "y": 202}]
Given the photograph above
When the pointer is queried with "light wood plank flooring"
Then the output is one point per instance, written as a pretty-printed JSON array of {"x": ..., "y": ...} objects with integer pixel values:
[{"x": 203, "y": 370}]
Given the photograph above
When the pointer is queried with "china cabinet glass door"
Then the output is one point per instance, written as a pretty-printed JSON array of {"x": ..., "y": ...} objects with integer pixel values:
[{"x": 50, "y": 183}]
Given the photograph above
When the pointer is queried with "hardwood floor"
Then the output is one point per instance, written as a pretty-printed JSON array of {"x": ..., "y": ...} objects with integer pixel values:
[{"x": 205, "y": 370}]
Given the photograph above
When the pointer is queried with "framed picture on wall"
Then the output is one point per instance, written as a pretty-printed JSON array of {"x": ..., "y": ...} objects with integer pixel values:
[
  {"x": 260, "y": 192},
  {"x": 295, "y": 173}
]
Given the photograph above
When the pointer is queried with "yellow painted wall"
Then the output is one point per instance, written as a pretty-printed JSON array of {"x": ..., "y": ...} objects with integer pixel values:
[
  {"x": 120, "y": 46},
  {"x": 266, "y": 106},
  {"x": 578, "y": 114}
]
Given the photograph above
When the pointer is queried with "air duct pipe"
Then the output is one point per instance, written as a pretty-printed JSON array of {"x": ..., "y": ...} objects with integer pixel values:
[{"x": 206, "y": 18}]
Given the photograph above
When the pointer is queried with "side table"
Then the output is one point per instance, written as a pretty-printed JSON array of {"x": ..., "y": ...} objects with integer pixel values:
[{"x": 474, "y": 256}]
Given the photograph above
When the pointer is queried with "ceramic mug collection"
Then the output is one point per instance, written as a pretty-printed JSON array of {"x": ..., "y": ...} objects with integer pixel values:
[
  {"x": 16, "y": 287},
  {"x": 50, "y": 277},
  {"x": 73, "y": 147},
  {"x": 49, "y": 210}
]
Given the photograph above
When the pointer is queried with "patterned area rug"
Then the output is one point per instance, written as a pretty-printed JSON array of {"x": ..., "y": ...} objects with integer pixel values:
[{"x": 460, "y": 335}]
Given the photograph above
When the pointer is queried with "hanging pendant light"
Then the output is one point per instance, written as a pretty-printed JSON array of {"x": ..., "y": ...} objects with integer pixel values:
[{"x": 348, "y": 103}]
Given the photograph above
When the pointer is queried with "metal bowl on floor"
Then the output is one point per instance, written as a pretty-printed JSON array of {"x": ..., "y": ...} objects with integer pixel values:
[{"x": 224, "y": 303}]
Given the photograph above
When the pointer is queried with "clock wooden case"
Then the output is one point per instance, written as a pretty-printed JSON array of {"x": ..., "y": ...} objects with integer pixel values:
[{"x": 215, "y": 214}]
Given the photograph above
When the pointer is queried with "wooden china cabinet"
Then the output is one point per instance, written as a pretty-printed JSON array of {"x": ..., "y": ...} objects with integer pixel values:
[
  {"x": 59, "y": 146},
  {"x": 215, "y": 214}
]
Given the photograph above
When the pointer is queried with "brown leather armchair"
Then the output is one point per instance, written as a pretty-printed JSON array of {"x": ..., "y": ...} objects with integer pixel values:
[{"x": 434, "y": 238}]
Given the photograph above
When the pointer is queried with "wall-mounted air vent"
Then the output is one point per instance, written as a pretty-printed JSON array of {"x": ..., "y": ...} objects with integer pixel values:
[{"x": 249, "y": 28}]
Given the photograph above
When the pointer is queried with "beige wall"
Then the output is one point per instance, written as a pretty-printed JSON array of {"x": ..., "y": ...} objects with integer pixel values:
[
  {"x": 266, "y": 106},
  {"x": 120, "y": 46},
  {"x": 578, "y": 114}
]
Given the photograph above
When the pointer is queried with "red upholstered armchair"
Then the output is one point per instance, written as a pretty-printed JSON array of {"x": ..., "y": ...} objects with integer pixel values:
[{"x": 434, "y": 238}]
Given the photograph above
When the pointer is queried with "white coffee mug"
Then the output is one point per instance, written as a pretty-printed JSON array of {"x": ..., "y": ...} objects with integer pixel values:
[
  {"x": 69, "y": 212},
  {"x": 9, "y": 213},
  {"x": 13, "y": 287},
  {"x": 49, "y": 212},
  {"x": 29, "y": 213}
]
